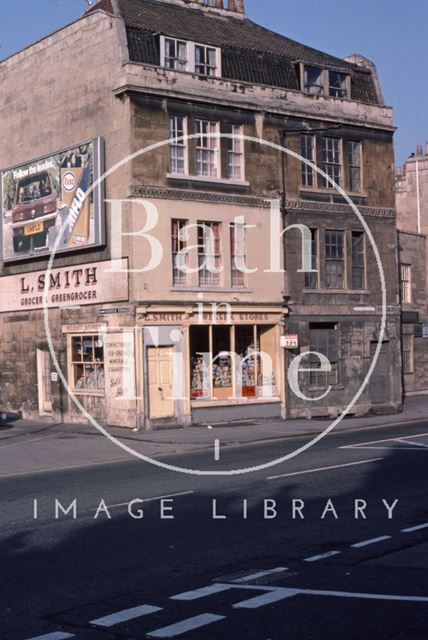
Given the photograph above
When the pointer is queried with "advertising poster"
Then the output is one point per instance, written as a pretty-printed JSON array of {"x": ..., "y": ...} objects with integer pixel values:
[{"x": 43, "y": 197}]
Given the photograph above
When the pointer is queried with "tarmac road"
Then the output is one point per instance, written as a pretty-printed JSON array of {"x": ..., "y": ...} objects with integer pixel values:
[{"x": 156, "y": 554}]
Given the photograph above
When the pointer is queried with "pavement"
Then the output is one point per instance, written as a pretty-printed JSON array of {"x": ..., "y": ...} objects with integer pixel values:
[{"x": 41, "y": 446}]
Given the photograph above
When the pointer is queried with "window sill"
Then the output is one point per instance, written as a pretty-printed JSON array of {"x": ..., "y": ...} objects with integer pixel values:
[
  {"x": 88, "y": 392},
  {"x": 352, "y": 292},
  {"x": 207, "y": 180},
  {"x": 201, "y": 404},
  {"x": 330, "y": 190},
  {"x": 219, "y": 289},
  {"x": 334, "y": 387}
]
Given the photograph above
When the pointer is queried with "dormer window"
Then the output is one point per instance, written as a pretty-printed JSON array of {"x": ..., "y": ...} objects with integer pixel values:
[
  {"x": 205, "y": 61},
  {"x": 338, "y": 85},
  {"x": 192, "y": 57},
  {"x": 314, "y": 81},
  {"x": 323, "y": 82},
  {"x": 175, "y": 54}
]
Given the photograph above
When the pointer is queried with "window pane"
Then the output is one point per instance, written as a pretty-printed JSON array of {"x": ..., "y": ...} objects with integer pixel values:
[
  {"x": 324, "y": 339},
  {"x": 307, "y": 151},
  {"x": 405, "y": 282},
  {"x": 358, "y": 260},
  {"x": 88, "y": 362},
  {"x": 335, "y": 264},
  {"x": 337, "y": 85},
  {"x": 313, "y": 81},
  {"x": 178, "y": 235},
  {"x": 311, "y": 279},
  {"x": 331, "y": 157},
  {"x": 209, "y": 253}
]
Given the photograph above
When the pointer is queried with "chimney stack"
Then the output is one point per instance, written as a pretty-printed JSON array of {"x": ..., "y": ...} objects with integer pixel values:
[{"x": 419, "y": 150}]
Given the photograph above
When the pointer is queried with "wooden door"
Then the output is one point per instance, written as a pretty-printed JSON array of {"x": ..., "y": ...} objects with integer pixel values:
[{"x": 160, "y": 382}]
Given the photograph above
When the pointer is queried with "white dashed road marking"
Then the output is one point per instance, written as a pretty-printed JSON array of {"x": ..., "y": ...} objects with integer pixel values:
[
  {"x": 275, "y": 595},
  {"x": 184, "y": 626},
  {"x": 322, "y": 556},
  {"x": 125, "y": 615},
  {"x": 366, "y": 543},
  {"x": 57, "y": 635},
  {"x": 260, "y": 574},
  {"x": 188, "y": 596},
  {"x": 336, "y": 466},
  {"x": 419, "y": 527}
]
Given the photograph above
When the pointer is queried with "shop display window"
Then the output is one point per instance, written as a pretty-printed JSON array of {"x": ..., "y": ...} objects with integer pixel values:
[
  {"x": 233, "y": 362},
  {"x": 87, "y": 362}
]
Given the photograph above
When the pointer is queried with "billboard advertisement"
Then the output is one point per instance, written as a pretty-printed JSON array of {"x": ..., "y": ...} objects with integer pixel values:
[{"x": 43, "y": 197}]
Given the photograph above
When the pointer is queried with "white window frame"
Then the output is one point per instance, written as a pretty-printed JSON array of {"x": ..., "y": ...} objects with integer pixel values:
[
  {"x": 217, "y": 149},
  {"x": 354, "y": 166},
  {"x": 192, "y": 59},
  {"x": 237, "y": 131},
  {"x": 100, "y": 364},
  {"x": 306, "y": 170},
  {"x": 184, "y": 145},
  {"x": 163, "y": 40},
  {"x": 339, "y": 164}
]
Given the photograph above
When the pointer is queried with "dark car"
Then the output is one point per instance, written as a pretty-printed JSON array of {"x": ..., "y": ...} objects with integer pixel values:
[{"x": 34, "y": 211}]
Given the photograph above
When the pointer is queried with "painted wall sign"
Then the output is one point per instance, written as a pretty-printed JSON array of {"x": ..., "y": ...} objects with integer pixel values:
[
  {"x": 76, "y": 285},
  {"x": 40, "y": 197}
]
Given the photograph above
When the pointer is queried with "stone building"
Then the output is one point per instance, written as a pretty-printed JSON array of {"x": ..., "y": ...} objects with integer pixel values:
[
  {"x": 171, "y": 295},
  {"x": 412, "y": 225}
]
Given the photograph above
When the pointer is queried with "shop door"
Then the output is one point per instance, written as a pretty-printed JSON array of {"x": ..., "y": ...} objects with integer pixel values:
[
  {"x": 44, "y": 383},
  {"x": 380, "y": 380},
  {"x": 160, "y": 382}
]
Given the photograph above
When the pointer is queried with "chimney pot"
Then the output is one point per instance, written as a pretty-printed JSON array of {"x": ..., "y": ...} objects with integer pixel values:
[
  {"x": 398, "y": 172},
  {"x": 419, "y": 150},
  {"x": 231, "y": 5},
  {"x": 219, "y": 4},
  {"x": 240, "y": 6}
]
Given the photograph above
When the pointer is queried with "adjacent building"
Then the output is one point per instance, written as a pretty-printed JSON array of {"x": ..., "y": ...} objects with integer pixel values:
[
  {"x": 175, "y": 287},
  {"x": 412, "y": 225}
]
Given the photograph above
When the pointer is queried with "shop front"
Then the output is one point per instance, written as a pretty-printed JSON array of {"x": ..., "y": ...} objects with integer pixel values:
[{"x": 212, "y": 366}]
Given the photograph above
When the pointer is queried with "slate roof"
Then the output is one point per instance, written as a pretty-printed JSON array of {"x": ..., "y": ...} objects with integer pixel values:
[{"x": 250, "y": 52}]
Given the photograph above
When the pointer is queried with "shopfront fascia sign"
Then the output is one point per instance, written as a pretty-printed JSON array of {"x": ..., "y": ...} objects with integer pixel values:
[
  {"x": 73, "y": 286},
  {"x": 208, "y": 316}
]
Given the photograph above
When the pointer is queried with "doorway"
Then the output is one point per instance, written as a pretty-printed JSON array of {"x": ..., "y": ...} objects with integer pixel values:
[
  {"x": 161, "y": 403},
  {"x": 44, "y": 382}
]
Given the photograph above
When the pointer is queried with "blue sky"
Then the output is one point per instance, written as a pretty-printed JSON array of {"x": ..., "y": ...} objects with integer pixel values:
[{"x": 391, "y": 32}]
